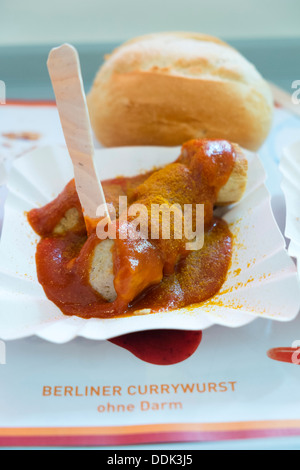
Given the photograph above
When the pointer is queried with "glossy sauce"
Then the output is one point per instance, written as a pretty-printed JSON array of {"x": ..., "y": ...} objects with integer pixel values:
[
  {"x": 63, "y": 262},
  {"x": 161, "y": 347}
]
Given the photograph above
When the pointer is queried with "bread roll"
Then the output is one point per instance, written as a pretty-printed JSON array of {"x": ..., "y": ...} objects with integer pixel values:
[{"x": 167, "y": 88}]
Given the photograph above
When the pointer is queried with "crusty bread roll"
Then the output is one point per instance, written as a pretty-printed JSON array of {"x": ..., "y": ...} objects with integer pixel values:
[{"x": 167, "y": 88}]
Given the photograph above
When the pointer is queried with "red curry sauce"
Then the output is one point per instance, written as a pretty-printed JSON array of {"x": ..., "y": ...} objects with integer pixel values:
[{"x": 63, "y": 261}]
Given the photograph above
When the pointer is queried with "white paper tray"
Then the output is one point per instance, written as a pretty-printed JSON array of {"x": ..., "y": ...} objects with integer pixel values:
[{"x": 262, "y": 281}]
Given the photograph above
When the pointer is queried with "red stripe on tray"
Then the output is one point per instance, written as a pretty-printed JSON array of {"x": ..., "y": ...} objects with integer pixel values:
[{"x": 30, "y": 103}]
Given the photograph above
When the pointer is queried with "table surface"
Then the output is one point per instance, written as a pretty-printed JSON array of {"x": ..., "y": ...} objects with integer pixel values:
[{"x": 24, "y": 71}]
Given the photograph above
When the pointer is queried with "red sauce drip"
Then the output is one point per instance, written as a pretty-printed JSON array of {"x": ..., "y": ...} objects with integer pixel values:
[
  {"x": 161, "y": 347},
  {"x": 289, "y": 355}
]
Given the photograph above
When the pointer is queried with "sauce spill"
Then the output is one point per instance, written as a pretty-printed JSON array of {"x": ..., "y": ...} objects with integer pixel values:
[
  {"x": 160, "y": 347},
  {"x": 22, "y": 135}
]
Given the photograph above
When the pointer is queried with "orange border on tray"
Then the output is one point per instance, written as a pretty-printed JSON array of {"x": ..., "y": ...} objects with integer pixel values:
[
  {"x": 150, "y": 428},
  {"x": 146, "y": 434}
]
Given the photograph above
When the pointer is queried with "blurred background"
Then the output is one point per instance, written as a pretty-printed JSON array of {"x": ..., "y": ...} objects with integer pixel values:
[
  {"x": 90, "y": 21},
  {"x": 267, "y": 32}
]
